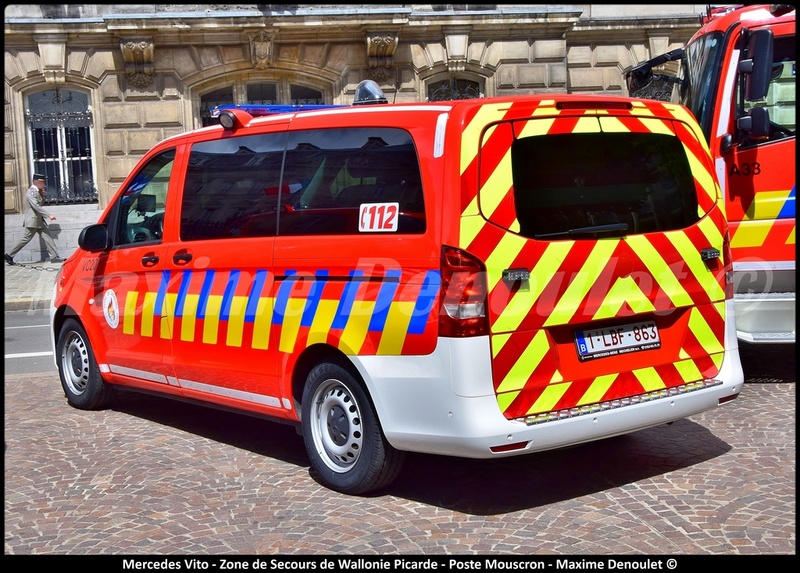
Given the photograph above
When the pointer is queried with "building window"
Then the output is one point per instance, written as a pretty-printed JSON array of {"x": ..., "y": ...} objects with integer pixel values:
[
  {"x": 264, "y": 93},
  {"x": 60, "y": 131},
  {"x": 453, "y": 88}
]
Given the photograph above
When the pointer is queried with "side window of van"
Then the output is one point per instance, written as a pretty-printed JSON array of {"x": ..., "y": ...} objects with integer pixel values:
[
  {"x": 601, "y": 184},
  {"x": 232, "y": 188},
  {"x": 350, "y": 181},
  {"x": 140, "y": 213}
]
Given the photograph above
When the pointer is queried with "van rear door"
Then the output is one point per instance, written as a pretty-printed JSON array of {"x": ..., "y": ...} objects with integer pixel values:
[{"x": 600, "y": 228}]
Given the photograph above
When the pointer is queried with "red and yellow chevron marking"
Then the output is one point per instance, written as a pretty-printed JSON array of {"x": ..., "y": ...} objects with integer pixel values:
[
  {"x": 767, "y": 230},
  {"x": 575, "y": 283}
]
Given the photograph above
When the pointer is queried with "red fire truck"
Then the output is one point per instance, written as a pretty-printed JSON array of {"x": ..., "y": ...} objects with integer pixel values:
[{"x": 737, "y": 76}]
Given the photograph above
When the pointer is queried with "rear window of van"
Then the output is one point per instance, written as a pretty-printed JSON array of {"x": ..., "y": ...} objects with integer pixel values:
[
  {"x": 312, "y": 182},
  {"x": 601, "y": 184}
]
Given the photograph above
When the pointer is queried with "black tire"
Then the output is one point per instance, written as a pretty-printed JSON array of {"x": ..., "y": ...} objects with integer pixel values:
[
  {"x": 342, "y": 434},
  {"x": 77, "y": 368}
]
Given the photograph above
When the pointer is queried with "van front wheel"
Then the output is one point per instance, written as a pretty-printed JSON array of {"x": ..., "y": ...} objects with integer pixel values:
[
  {"x": 77, "y": 368},
  {"x": 342, "y": 434}
]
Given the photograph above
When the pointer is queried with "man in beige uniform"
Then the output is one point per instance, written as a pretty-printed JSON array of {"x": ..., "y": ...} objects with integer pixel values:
[{"x": 36, "y": 222}]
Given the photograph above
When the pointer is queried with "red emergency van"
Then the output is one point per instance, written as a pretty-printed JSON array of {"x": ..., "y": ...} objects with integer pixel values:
[
  {"x": 737, "y": 75},
  {"x": 478, "y": 278}
]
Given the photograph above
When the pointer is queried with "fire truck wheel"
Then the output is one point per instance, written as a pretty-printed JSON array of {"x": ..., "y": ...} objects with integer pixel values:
[
  {"x": 342, "y": 434},
  {"x": 77, "y": 368}
]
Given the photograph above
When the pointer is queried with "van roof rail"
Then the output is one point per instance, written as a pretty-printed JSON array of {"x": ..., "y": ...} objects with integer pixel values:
[{"x": 257, "y": 110}]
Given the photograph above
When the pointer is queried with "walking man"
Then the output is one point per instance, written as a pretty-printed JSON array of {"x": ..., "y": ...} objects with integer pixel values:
[{"x": 36, "y": 222}]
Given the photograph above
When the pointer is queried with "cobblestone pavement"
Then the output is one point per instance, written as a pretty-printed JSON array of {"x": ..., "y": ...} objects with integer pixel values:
[{"x": 154, "y": 477}]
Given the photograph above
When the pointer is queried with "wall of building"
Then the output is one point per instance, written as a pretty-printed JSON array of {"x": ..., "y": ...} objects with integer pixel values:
[{"x": 145, "y": 66}]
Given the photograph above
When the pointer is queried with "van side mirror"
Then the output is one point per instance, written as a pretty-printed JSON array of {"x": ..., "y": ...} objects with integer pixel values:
[
  {"x": 94, "y": 237},
  {"x": 757, "y": 68},
  {"x": 755, "y": 123}
]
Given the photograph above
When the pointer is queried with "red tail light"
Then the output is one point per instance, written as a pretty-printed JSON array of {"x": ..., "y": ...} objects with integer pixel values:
[{"x": 463, "y": 302}]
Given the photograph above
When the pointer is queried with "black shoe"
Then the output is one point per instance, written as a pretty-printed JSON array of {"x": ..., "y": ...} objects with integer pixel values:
[
  {"x": 57, "y": 260},
  {"x": 9, "y": 259}
]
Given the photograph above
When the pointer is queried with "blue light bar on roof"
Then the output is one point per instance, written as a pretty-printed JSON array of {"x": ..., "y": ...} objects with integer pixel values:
[{"x": 257, "y": 110}]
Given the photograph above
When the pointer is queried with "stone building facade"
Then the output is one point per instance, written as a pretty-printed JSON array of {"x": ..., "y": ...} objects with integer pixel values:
[{"x": 90, "y": 88}]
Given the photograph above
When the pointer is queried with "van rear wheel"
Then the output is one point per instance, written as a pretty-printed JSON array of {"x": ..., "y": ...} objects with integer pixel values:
[
  {"x": 342, "y": 434},
  {"x": 78, "y": 370}
]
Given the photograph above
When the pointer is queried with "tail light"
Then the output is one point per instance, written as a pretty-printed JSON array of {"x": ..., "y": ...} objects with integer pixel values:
[{"x": 463, "y": 299}]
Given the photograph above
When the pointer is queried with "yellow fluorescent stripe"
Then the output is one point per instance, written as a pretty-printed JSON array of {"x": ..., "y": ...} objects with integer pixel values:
[
  {"x": 541, "y": 275},
  {"x": 549, "y": 398},
  {"x": 355, "y": 331},
  {"x": 641, "y": 110},
  {"x": 623, "y": 290},
  {"x": 584, "y": 280},
  {"x": 597, "y": 389},
  {"x": 661, "y": 272},
  {"x": 188, "y": 320},
  {"x": 262, "y": 323},
  {"x": 470, "y": 227},
  {"x": 498, "y": 342},
  {"x": 586, "y": 125},
  {"x": 702, "y": 331},
  {"x": 701, "y": 174},
  {"x": 712, "y": 233},
  {"x": 148, "y": 311},
  {"x": 129, "y": 318},
  {"x": 612, "y": 125},
  {"x": 682, "y": 114},
  {"x": 751, "y": 233},
  {"x": 767, "y": 204},
  {"x": 505, "y": 400},
  {"x": 502, "y": 257},
  {"x": 701, "y": 272},
  {"x": 323, "y": 318},
  {"x": 538, "y": 127},
  {"x": 211, "y": 321},
  {"x": 688, "y": 370},
  {"x": 292, "y": 316},
  {"x": 649, "y": 379},
  {"x": 396, "y": 327},
  {"x": 497, "y": 186},
  {"x": 168, "y": 315},
  {"x": 236, "y": 321},
  {"x": 527, "y": 362},
  {"x": 471, "y": 136},
  {"x": 657, "y": 126}
]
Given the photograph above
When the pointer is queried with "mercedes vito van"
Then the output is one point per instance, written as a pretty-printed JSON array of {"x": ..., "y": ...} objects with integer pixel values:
[{"x": 480, "y": 278}]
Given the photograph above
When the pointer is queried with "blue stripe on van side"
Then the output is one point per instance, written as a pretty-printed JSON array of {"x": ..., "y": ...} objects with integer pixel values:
[
  {"x": 162, "y": 291},
  {"x": 282, "y": 298},
  {"x": 227, "y": 297},
  {"x": 186, "y": 280},
  {"x": 314, "y": 296},
  {"x": 384, "y": 301},
  {"x": 346, "y": 304},
  {"x": 255, "y": 294},
  {"x": 425, "y": 300},
  {"x": 208, "y": 282}
]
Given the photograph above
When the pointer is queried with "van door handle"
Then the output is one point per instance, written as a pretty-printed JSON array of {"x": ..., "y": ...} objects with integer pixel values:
[
  {"x": 149, "y": 260},
  {"x": 181, "y": 258}
]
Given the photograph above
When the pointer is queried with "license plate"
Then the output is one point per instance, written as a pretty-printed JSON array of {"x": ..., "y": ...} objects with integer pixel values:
[{"x": 616, "y": 340}]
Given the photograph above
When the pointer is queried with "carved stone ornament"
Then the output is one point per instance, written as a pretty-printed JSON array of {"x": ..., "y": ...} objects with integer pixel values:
[
  {"x": 138, "y": 55},
  {"x": 380, "y": 74},
  {"x": 380, "y": 49},
  {"x": 261, "y": 50}
]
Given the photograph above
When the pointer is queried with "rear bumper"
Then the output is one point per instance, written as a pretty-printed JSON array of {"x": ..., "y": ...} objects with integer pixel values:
[{"x": 444, "y": 403}]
